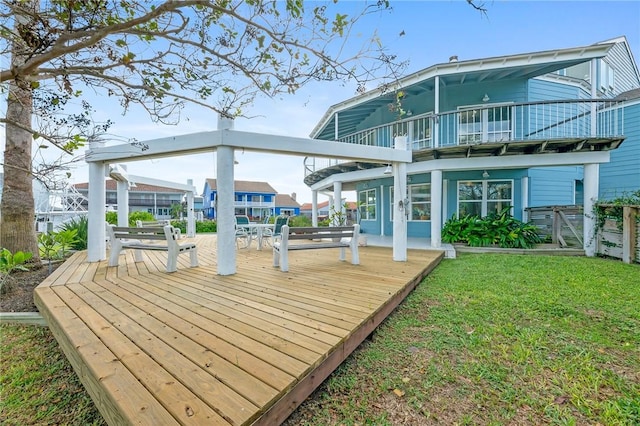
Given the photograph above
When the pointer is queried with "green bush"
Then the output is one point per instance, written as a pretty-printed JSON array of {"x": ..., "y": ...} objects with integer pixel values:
[
  {"x": 143, "y": 216},
  {"x": 10, "y": 262},
  {"x": 112, "y": 218},
  {"x": 500, "y": 229},
  {"x": 81, "y": 226},
  {"x": 206, "y": 226},
  {"x": 299, "y": 221},
  {"x": 181, "y": 225}
]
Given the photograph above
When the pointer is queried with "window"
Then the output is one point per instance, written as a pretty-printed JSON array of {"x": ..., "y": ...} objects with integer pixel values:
[
  {"x": 420, "y": 199},
  {"x": 606, "y": 76},
  {"x": 367, "y": 201},
  {"x": 480, "y": 198},
  {"x": 491, "y": 124}
]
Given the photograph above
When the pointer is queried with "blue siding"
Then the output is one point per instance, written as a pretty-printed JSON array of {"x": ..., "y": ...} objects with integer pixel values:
[
  {"x": 553, "y": 186},
  {"x": 622, "y": 174},
  {"x": 543, "y": 90}
]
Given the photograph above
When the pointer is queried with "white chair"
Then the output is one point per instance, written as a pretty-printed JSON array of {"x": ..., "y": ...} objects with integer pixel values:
[
  {"x": 270, "y": 235},
  {"x": 243, "y": 232}
]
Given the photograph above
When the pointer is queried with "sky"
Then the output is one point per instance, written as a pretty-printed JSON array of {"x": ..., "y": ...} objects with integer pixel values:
[{"x": 432, "y": 32}]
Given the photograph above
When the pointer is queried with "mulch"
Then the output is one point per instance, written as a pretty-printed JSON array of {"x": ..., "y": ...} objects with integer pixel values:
[{"x": 18, "y": 293}]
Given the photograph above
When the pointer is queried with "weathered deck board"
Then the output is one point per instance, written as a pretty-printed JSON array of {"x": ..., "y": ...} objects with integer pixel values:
[{"x": 192, "y": 347}]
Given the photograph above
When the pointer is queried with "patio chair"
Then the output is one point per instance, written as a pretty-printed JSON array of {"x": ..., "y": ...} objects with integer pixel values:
[
  {"x": 243, "y": 232},
  {"x": 270, "y": 235}
]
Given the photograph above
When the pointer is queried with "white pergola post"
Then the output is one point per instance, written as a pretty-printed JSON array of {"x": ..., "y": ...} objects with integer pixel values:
[
  {"x": 191, "y": 218},
  {"x": 123, "y": 201},
  {"x": 591, "y": 177},
  {"x": 338, "y": 207},
  {"x": 226, "y": 213},
  {"x": 436, "y": 208},
  {"x": 96, "y": 238},
  {"x": 314, "y": 208},
  {"x": 400, "y": 204}
]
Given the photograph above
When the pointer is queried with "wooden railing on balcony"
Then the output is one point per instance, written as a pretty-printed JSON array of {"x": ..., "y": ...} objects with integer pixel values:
[{"x": 507, "y": 122}]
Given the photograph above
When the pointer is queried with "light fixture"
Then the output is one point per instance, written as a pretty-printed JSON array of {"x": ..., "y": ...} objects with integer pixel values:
[
  {"x": 485, "y": 98},
  {"x": 485, "y": 174},
  {"x": 235, "y": 162},
  {"x": 388, "y": 170}
]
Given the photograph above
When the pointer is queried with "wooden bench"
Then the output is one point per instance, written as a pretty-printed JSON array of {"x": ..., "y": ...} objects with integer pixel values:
[
  {"x": 155, "y": 224},
  {"x": 143, "y": 238},
  {"x": 341, "y": 237}
]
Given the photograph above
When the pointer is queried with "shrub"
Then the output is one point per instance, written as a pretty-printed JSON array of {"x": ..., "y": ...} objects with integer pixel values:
[
  {"x": 299, "y": 221},
  {"x": 112, "y": 218},
  {"x": 499, "y": 229},
  {"x": 143, "y": 216},
  {"x": 206, "y": 226},
  {"x": 81, "y": 226},
  {"x": 10, "y": 262}
]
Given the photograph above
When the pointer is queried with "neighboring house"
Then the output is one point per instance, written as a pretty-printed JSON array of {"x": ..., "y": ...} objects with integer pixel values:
[
  {"x": 351, "y": 210},
  {"x": 323, "y": 210},
  {"x": 287, "y": 205},
  {"x": 254, "y": 199},
  {"x": 514, "y": 131},
  {"x": 156, "y": 200}
]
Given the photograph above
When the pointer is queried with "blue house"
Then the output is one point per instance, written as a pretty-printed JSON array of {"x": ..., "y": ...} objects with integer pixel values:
[
  {"x": 254, "y": 199},
  {"x": 519, "y": 131},
  {"x": 287, "y": 205}
]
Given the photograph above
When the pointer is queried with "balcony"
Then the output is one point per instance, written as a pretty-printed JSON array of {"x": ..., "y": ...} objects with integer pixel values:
[{"x": 497, "y": 129}]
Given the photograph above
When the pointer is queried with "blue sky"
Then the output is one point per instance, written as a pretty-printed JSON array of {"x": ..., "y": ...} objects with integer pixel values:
[{"x": 433, "y": 31}]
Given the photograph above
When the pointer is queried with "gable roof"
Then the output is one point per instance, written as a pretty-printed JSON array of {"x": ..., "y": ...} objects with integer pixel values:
[
  {"x": 285, "y": 200},
  {"x": 245, "y": 186},
  {"x": 139, "y": 187}
]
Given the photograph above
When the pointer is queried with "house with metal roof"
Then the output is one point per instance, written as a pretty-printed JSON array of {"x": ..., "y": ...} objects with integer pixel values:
[{"x": 514, "y": 131}]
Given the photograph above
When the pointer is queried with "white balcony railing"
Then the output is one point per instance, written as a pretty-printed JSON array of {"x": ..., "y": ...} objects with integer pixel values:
[{"x": 509, "y": 122}]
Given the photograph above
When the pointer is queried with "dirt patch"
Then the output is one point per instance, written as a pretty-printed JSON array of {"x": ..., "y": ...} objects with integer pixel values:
[{"x": 18, "y": 296}]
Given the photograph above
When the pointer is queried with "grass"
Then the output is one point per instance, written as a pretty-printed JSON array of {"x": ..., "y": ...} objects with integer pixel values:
[{"x": 484, "y": 340}]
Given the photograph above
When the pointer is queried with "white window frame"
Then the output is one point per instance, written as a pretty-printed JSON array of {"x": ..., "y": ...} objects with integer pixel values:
[
  {"x": 485, "y": 133},
  {"x": 364, "y": 205},
  {"x": 485, "y": 201},
  {"x": 413, "y": 202}
]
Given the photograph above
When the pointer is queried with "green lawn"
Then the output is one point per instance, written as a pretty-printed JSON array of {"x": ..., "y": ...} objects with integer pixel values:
[{"x": 484, "y": 340}]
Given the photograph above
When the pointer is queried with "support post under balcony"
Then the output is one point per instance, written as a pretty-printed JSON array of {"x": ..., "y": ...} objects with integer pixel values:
[
  {"x": 590, "y": 186},
  {"x": 400, "y": 205},
  {"x": 436, "y": 208}
]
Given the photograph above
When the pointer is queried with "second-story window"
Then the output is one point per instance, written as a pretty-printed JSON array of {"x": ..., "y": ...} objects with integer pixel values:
[
  {"x": 484, "y": 124},
  {"x": 367, "y": 203}
]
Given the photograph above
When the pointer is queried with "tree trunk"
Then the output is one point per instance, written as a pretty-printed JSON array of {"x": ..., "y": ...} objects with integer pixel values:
[{"x": 17, "y": 208}]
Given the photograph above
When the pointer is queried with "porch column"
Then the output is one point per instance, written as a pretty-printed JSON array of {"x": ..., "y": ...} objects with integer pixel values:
[
  {"x": 591, "y": 172},
  {"x": 338, "y": 207},
  {"x": 436, "y": 208},
  {"x": 96, "y": 238},
  {"x": 191, "y": 218},
  {"x": 225, "y": 211},
  {"x": 400, "y": 205},
  {"x": 314, "y": 208},
  {"x": 123, "y": 201}
]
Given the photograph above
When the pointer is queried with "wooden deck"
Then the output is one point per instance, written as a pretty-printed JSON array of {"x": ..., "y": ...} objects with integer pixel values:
[{"x": 195, "y": 348}]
